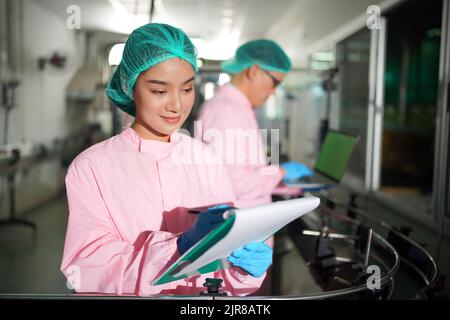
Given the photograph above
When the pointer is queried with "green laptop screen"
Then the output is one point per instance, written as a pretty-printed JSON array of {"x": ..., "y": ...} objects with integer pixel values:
[{"x": 335, "y": 153}]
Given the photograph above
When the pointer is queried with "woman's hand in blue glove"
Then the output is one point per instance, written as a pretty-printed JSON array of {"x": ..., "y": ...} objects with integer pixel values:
[
  {"x": 254, "y": 258},
  {"x": 206, "y": 221},
  {"x": 295, "y": 171}
]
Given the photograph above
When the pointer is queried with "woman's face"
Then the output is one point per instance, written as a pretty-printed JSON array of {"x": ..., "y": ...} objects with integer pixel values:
[{"x": 164, "y": 96}]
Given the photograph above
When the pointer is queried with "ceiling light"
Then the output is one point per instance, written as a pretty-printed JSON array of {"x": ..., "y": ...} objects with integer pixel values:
[
  {"x": 227, "y": 13},
  {"x": 227, "y": 21},
  {"x": 115, "y": 54}
]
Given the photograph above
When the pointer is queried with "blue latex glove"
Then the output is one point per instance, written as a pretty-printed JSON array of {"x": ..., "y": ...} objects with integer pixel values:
[
  {"x": 254, "y": 258},
  {"x": 206, "y": 221},
  {"x": 295, "y": 171}
]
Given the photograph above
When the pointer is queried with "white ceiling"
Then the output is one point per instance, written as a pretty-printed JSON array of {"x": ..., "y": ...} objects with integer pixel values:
[
  {"x": 221, "y": 25},
  {"x": 199, "y": 18},
  {"x": 307, "y": 22},
  {"x": 217, "y": 26},
  {"x": 251, "y": 18}
]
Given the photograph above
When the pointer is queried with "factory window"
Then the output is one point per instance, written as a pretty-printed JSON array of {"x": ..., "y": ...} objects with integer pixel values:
[
  {"x": 411, "y": 88},
  {"x": 352, "y": 60}
]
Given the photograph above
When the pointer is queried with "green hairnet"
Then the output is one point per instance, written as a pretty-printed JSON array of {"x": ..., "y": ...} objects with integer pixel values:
[
  {"x": 265, "y": 53},
  {"x": 147, "y": 46}
]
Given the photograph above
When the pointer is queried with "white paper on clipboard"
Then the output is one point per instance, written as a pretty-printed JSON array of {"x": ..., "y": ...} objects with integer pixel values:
[{"x": 251, "y": 225}]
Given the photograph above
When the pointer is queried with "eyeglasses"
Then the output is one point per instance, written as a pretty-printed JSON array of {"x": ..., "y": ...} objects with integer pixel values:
[{"x": 276, "y": 82}]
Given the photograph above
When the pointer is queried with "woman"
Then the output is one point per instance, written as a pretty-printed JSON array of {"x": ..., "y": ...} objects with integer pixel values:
[{"x": 128, "y": 195}]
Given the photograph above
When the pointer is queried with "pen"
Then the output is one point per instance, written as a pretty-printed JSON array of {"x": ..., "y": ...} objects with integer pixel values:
[{"x": 197, "y": 210}]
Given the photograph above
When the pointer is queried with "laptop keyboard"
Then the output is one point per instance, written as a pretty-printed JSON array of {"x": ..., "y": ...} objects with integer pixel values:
[{"x": 313, "y": 179}]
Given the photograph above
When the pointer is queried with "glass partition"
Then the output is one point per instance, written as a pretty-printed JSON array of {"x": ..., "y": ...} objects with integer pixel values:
[
  {"x": 411, "y": 88},
  {"x": 352, "y": 61}
]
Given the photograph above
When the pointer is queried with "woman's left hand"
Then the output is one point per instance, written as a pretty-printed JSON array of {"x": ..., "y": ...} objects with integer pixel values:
[{"x": 254, "y": 258}]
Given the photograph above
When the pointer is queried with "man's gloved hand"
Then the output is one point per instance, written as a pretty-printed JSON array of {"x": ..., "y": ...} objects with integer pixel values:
[
  {"x": 254, "y": 258},
  {"x": 206, "y": 221},
  {"x": 295, "y": 171}
]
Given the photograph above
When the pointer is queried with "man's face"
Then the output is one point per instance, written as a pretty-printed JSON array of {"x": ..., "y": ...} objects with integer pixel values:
[{"x": 264, "y": 84}]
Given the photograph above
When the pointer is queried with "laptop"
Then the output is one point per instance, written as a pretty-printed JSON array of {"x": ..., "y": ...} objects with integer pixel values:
[{"x": 331, "y": 163}]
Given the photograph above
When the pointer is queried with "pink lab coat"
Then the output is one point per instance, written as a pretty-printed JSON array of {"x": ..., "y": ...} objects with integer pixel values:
[
  {"x": 230, "y": 109},
  {"x": 127, "y": 204}
]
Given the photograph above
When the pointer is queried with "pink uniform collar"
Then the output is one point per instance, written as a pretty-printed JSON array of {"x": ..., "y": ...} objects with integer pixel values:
[
  {"x": 241, "y": 99},
  {"x": 149, "y": 146}
]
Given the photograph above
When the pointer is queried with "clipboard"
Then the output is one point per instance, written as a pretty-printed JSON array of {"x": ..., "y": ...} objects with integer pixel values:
[{"x": 241, "y": 226}]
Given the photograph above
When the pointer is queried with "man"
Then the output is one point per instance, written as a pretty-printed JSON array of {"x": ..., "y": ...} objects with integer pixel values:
[{"x": 228, "y": 119}]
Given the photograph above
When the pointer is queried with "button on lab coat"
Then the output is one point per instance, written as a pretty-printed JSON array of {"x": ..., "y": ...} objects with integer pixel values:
[{"x": 127, "y": 201}]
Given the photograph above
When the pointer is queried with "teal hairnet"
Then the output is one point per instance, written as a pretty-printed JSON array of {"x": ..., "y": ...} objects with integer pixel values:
[
  {"x": 265, "y": 53},
  {"x": 147, "y": 46}
]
